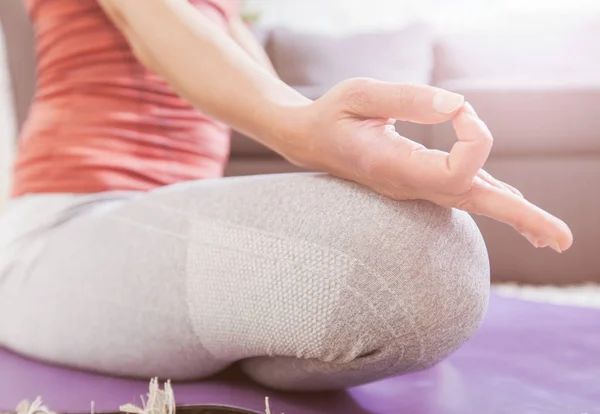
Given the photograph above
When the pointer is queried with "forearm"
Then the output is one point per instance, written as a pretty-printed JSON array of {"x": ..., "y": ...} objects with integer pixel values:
[
  {"x": 207, "y": 67},
  {"x": 245, "y": 39}
]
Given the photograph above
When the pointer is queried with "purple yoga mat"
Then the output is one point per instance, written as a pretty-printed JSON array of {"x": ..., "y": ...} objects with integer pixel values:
[{"x": 528, "y": 358}]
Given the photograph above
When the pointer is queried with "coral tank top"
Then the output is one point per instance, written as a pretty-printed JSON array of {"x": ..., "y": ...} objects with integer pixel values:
[{"x": 99, "y": 120}]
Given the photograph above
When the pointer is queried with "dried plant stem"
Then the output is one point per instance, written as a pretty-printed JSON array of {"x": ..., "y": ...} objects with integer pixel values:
[{"x": 159, "y": 402}]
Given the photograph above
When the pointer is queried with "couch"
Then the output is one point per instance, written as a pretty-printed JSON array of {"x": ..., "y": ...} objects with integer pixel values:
[{"x": 539, "y": 96}]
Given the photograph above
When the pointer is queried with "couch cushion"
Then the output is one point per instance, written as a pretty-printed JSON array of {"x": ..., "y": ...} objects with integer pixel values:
[
  {"x": 259, "y": 165},
  {"x": 531, "y": 116},
  {"x": 319, "y": 59}
]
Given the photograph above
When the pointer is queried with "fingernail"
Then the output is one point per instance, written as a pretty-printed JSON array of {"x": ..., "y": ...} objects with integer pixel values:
[
  {"x": 556, "y": 247},
  {"x": 543, "y": 242},
  {"x": 445, "y": 102},
  {"x": 530, "y": 238},
  {"x": 390, "y": 128},
  {"x": 470, "y": 111}
]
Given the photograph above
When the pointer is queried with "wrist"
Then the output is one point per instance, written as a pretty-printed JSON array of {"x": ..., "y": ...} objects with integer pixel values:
[
  {"x": 297, "y": 136},
  {"x": 285, "y": 125}
]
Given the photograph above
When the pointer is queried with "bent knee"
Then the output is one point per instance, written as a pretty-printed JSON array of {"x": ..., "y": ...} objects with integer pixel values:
[
  {"x": 417, "y": 297},
  {"x": 456, "y": 288}
]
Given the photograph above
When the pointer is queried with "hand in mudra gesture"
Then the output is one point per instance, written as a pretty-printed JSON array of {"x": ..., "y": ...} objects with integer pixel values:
[{"x": 349, "y": 133}]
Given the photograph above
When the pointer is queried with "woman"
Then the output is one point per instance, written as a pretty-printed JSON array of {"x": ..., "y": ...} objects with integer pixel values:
[{"x": 123, "y": 253}]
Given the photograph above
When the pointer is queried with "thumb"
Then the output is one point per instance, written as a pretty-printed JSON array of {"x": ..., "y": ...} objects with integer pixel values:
[{"x": 422, "y": 104}]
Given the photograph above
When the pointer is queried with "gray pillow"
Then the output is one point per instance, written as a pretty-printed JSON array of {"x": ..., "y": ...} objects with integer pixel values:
[{"x": 306, "y": 59}]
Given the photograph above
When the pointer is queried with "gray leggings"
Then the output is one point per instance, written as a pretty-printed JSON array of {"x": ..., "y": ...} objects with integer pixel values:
[{"x": 309, "y": 282}]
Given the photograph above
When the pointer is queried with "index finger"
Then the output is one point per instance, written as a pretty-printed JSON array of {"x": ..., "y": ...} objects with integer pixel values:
[{"x": 422, "y": 104}]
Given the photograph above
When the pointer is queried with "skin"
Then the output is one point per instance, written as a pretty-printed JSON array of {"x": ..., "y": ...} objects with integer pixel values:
[{"x": 348, "y": 132}]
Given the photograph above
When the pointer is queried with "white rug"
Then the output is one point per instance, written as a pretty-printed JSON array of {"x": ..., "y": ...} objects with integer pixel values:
[{"x": 579, "y": 295}]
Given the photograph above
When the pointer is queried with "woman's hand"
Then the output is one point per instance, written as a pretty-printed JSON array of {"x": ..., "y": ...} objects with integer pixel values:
[{"x": 349, "y": 133}]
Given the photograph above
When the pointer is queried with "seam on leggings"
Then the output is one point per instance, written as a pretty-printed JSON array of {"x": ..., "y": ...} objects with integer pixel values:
[
  {"x": 378, "y": 277},
  {"x": 276, "y": 236},
  {"x": 372, "y": 272},
  {"x": 178, "y": 236},
  {"x": 295, "y": 261}
]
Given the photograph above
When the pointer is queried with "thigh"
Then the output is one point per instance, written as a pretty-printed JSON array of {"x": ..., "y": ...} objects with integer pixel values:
[
  {"x": 309, "y": 266},
  {"x": 105, "y": 290},
  {"x": 182, "y": 281}
]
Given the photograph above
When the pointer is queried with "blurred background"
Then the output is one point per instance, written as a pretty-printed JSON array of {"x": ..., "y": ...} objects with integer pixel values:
[
  {"x": 531, "y": 69},
  {"x": 351, "y": 16}
]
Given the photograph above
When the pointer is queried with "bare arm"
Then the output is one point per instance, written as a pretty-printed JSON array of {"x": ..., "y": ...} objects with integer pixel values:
[
  {"x": 348, "y": 132},
  {"x": 207, "y": 67},
  {"x": 244, "y": 37}
]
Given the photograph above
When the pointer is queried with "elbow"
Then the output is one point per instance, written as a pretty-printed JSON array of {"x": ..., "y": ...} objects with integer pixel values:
[
  {"x": 117, "y": 12},
  {"x": 114, "y": 11}
]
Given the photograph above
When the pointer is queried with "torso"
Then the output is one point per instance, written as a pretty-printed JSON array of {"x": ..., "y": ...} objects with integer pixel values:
[{"x": 99, "y": 120}]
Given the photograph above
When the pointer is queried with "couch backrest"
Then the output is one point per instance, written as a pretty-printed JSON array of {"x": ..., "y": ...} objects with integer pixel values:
[
  {"x": 518, "y": 55},
  {"x": 20, "y": 53}
]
